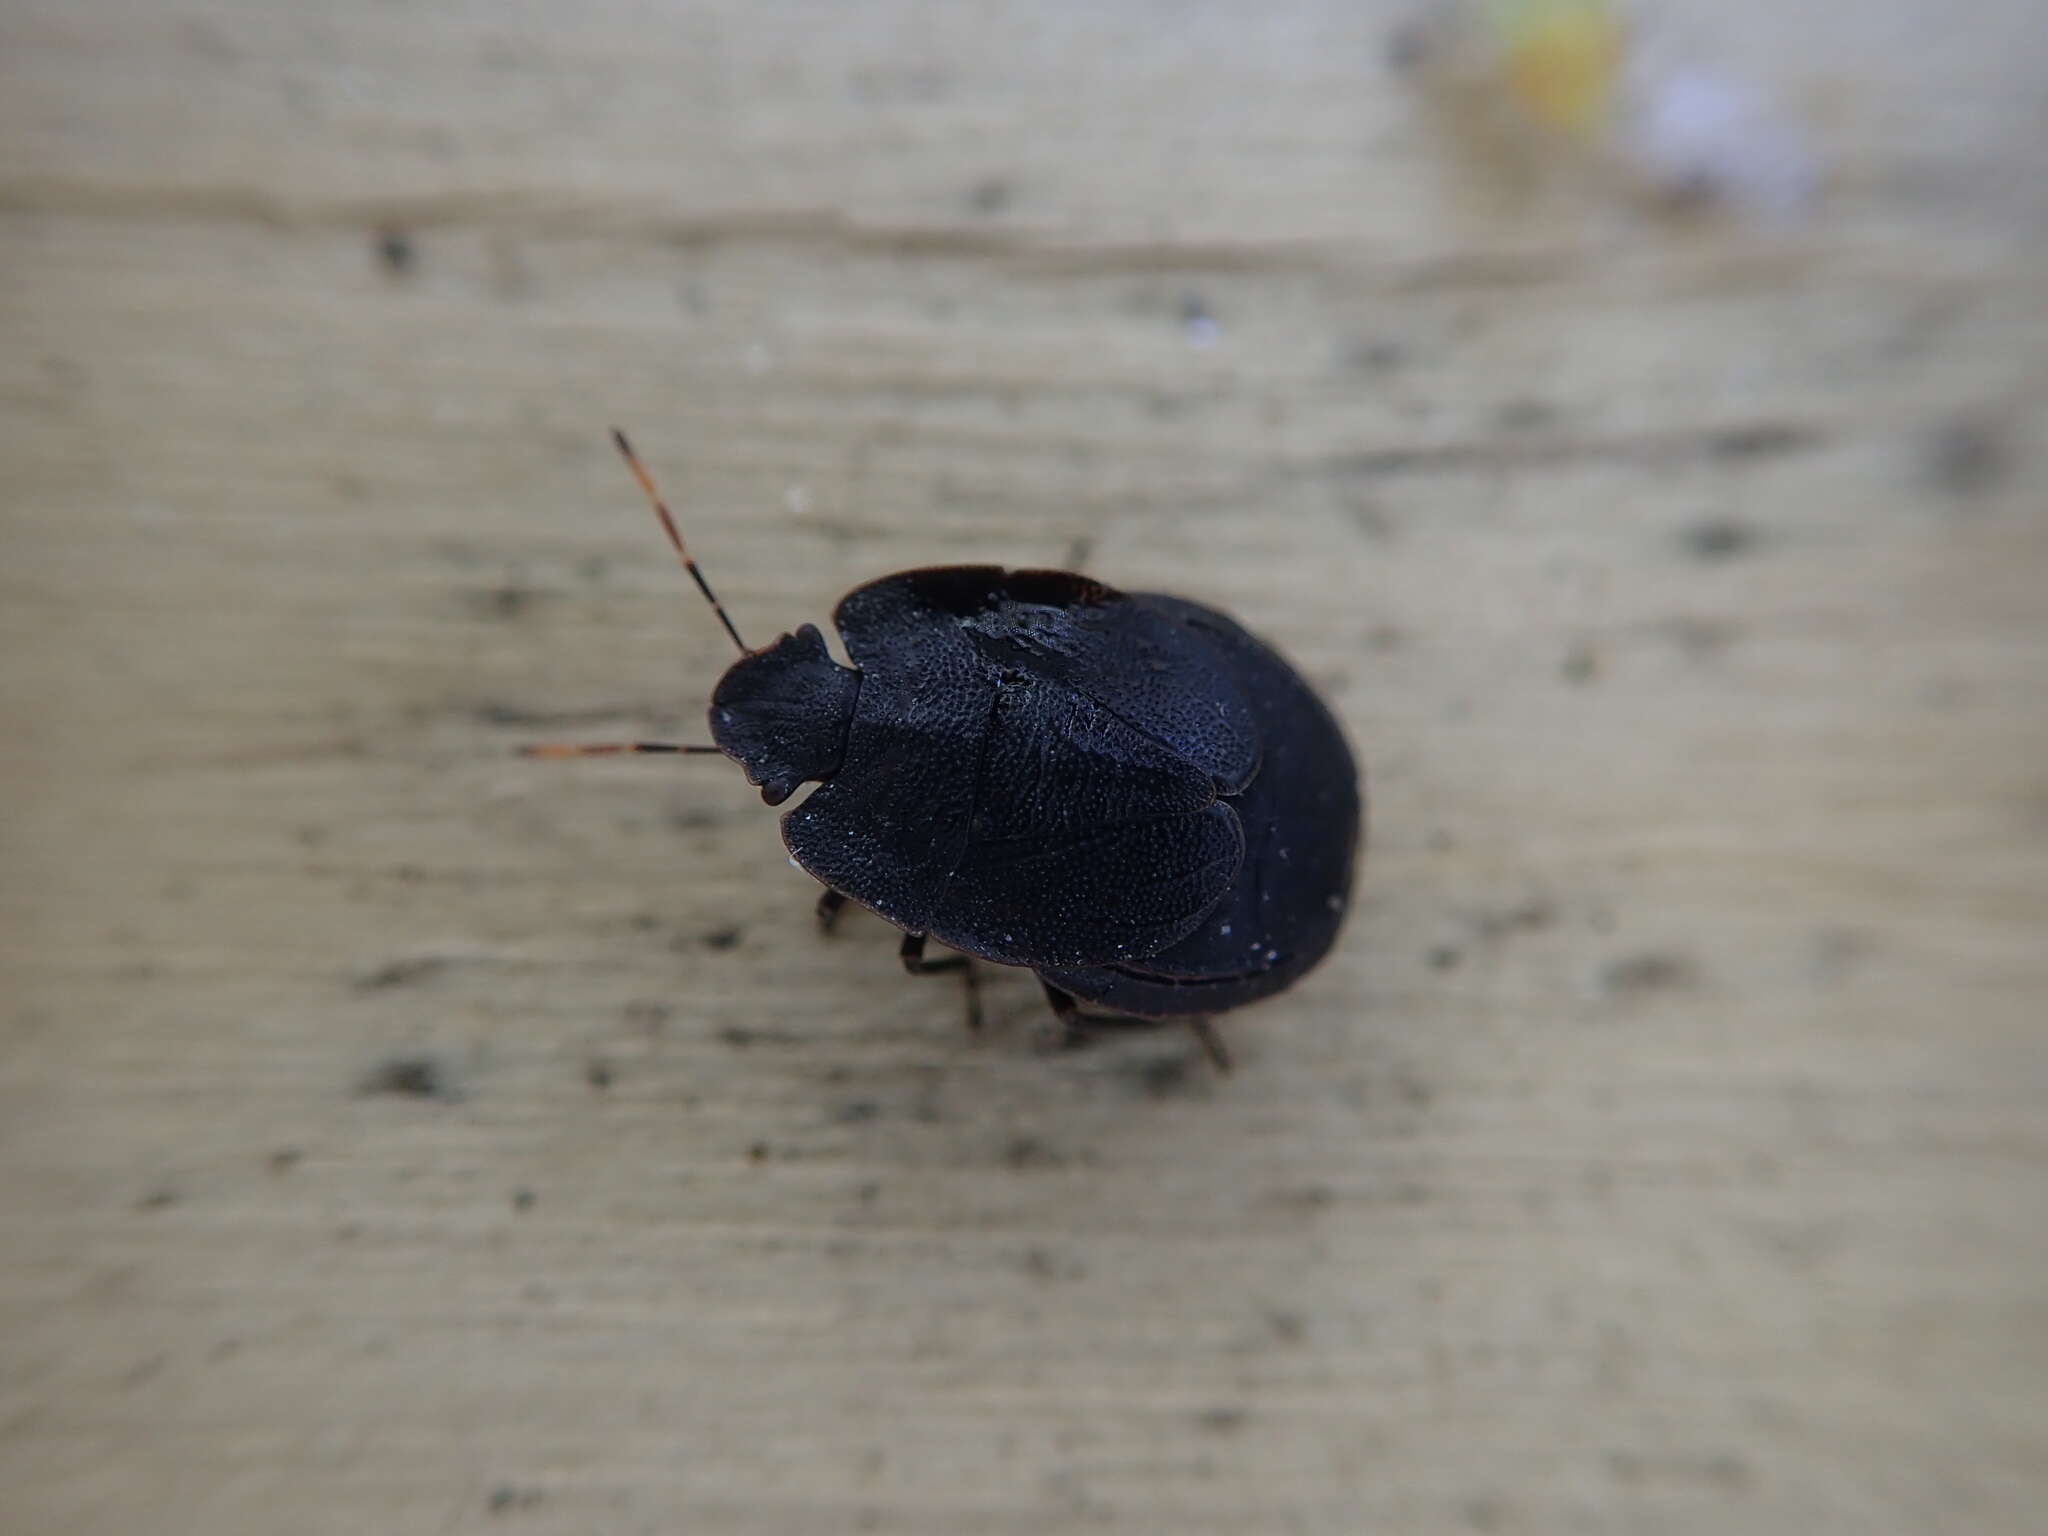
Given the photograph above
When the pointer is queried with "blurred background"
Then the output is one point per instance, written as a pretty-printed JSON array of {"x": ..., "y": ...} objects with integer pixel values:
[{"x": 1634, "y": 421}]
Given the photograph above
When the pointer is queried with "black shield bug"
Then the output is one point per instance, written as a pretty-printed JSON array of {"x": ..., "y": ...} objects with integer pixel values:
[{"x": 1124, "y": 793}]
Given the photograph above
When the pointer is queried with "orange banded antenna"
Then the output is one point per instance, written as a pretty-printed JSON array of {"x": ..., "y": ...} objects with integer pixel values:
[
  {"x": 561, "y": 749},
  {"x": 675, "y": 537}
]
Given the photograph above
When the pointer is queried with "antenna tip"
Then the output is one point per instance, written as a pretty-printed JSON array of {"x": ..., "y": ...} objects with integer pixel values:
[{"x": 619, "y": 440}]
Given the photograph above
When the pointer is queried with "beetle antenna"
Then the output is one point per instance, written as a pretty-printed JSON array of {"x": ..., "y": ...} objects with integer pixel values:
[
  {"x": 605, "y": 748},
  {"x": 668, "y": 526}
]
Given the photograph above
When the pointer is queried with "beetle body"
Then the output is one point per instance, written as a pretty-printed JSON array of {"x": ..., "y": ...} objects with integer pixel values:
[{"x": 1125, "y": 793}]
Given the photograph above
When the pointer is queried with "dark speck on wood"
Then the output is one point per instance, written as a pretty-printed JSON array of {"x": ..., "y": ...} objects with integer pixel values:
[
  {"x": 1701, "y": 639},
  {"x": 1306, "y": 1197},
  {"x": 1718, "y": 539},
  {"x": 1647, "y": 973},
  {"x": 1197, "y": 324},
  {"x": 647, "y": 1016},
  {"x": 1047, "y": 1264},
  {"x": 1375, "y": 355},
  {"x": 1484, "y": 1514},
  {"x": 739, "y": 1036},
  {"x": 1965, "y": 458},
  {"x": 1286, "y": 1327},
  {"x": 1024, "y": 1152},
  {"x": 396, "y": 251},
  {"x": 506, "y": 602},
  {"x": 992, "y": 194},
  {"x": 1412, "y": 1090},
  {"x": 1762, "y": 439},
  {"x": 1529, "y": 917},
  {"x": 1525, "y": 416},
  {"x": 1370, "y": 519},
  {"x": 412, "y": 1077},
  {"x": 1161, "y": 1077},
  {"x": 398, "y": 973}
]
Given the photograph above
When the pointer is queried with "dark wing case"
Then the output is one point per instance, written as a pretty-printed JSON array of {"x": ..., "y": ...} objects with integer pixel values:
[
  {"x": 1033, "y": 770},
  {"x": 1303, "y": 820}
]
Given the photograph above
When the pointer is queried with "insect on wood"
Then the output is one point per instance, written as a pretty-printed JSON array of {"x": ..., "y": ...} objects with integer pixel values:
[{"x": 1124, "y": 793}]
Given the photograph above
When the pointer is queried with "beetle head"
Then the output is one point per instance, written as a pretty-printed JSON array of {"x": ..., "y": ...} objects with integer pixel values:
[{"x": 782, "y": 713}]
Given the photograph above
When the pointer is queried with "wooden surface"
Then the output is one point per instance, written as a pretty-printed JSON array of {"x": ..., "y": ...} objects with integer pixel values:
[{"x": 399, "y": 1136}]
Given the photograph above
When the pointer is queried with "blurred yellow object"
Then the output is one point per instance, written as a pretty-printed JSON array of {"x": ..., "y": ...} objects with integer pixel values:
[{"x": 1563, "y": 60}]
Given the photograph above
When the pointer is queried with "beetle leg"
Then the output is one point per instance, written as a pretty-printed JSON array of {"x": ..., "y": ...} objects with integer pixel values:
[
  {"x": 912, "y": 955},
  {"x": 1077, "y": 1028},
  {"x": 1073, "y": 1023},
  {"x": 829, "y": 904},
  {"x": 1210, "y": 1042}
]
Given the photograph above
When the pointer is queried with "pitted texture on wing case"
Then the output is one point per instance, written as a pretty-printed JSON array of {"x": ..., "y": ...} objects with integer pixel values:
[
  {"x": 1138, "y": 662},
  {"x": 1303, "y": 822},
  {"x": 1087, "y": 839},
  {"x": 1033, "y": 768}
]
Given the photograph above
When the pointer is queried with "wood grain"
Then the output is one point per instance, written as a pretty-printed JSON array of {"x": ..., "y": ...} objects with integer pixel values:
[{"x": 398, "y": 1136}]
